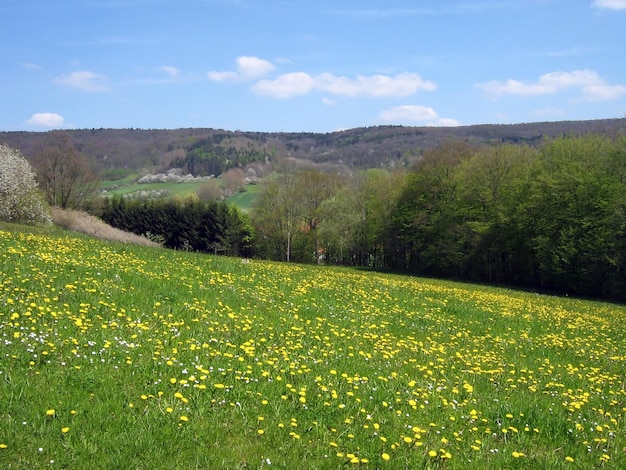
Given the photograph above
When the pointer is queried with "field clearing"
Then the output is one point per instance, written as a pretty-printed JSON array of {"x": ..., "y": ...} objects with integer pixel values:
[
  {"x": 174, "y": 189},
  {"x": 242, "y": 200},
  {"x": 121, "y": 356}
]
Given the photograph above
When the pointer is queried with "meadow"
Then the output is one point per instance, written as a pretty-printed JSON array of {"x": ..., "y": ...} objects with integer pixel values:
[{"x": 122, "y": 356}]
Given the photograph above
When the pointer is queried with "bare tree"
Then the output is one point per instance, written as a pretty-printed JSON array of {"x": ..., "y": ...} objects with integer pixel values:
[{"x": 64, "y": 173}]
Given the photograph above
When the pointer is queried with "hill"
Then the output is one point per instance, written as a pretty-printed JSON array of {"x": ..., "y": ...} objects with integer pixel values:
[
  {"x": 124, "y": 356},
  {"x": 135, "y": 149}
]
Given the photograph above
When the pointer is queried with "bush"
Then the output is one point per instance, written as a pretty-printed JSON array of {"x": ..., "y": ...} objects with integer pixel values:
[{"x": 20, "y": 198}]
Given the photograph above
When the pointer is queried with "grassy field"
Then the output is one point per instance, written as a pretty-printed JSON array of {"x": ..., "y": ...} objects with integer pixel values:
[
  {"x": 120, "y": 356},
  {"x": 173, "y": 189},
  {"x": 243, "y": 200}
]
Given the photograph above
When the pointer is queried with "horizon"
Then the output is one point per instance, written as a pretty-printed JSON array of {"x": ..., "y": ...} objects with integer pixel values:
[
  {"x": 243, "y": 131},
  {"x": 272, "y": 67}
]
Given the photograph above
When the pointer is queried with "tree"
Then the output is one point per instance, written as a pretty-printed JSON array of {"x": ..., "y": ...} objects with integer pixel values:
[
  {"x": 313, "y": 189},
  {"x": 20, "y": 198},
  {"x": 425, "y": 233},
  {"x": 64, "y": 173},
  {"x": 275, "y": 214}
]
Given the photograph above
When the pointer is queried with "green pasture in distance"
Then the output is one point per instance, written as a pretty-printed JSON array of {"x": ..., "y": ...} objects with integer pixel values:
[
  {"x": 243, "y": 199},
  {"x": 174, "y": 189}
]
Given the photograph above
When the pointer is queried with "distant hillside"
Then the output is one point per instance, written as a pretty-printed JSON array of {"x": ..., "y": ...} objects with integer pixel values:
[{"x": 134, "y": 149}]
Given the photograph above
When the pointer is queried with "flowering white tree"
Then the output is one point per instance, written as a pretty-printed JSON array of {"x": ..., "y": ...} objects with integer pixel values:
[{"x": 20, "y": 198}]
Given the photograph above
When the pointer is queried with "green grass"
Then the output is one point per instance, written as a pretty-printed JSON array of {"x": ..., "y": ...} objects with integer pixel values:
[
  {"x": 243, "y": 200},
  {"x": 174, "y": 189},
  {"x": 117, "y": 356}
]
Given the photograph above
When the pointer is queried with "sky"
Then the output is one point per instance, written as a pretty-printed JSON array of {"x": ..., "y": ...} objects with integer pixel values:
[{"x": 308, "y": 65}]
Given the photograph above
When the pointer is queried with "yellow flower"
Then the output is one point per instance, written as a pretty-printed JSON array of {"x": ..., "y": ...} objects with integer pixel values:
[
  {"x": 432, "y": 453},
  {"x": 569, "y": 459},
  {"x": 385, "y": 456},
  {"x": 184, "y": 418},
  {"x": 518, "y": 454},
  {"x": 51, "y": 413},
  {"x": 64, "y": 430},
  {"x": 3, "y": 446}
]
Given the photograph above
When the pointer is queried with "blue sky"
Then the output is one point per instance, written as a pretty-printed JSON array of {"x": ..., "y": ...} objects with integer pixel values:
[{"x": 314, "y": 66}]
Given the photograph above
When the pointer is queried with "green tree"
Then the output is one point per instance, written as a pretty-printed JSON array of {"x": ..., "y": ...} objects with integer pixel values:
[
  {"x": 275, "y": 217},
  {"x": 575, "y": 214},
  {"x": 426, "y": 231},
  {"x": 20, "y": 198},
  {"x": 493, "y": 186}
]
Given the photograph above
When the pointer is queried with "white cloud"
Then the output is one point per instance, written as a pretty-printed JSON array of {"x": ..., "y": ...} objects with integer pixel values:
[
  {"x": 285, "y": 86},
  {"x": 415, "y": 113},
  {"x": 447, "y": 122},
  {"x": 247, "y": 67},
  {"x": 376, "y": 85},
  {"x": 301, "y": 83},
  {"x": 222, "y": 76},
  {"x": 610, "y": 4},
  {"x": 84, "y": 80},
  {"x": 51, "y": 120},
  {"x": 408, "y": 113},
  {"x": 594, "y": 88},
  {"x": 603, "y": 92},
  {"x": 171, "y": 71},
  {"x": 328, "y": 101}
]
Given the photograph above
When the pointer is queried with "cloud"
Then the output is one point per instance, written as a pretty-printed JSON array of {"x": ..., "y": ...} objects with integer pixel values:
[
  {"x": 248, "y": 67},
  {"x": 171, "y": 71},
  {"x": 603, "y": 92},
  {"x": 51, "y": 120},
  {"x": 376, "y": 85},
  {"x": 84, "y": 80},
  {"x": 416, "y": 113},
  {"x": 610, "y": 4},
  {"x": 593, "y": 87},
  {"x": 301, "y": 83},
  {"x": 222, "y": 76},
  {"x": 286, "y": 86},
  {"x": 408, "y": 113}
]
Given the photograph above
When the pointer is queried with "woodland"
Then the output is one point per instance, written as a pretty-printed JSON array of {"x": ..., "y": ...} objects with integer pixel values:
[{"x": 535, "y": 207}]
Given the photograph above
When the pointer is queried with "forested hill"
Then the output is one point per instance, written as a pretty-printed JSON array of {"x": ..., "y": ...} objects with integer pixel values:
[{"x": 361, "y": 147}]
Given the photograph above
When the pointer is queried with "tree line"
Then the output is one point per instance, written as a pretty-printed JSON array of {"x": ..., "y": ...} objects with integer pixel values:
[
  {"x": 192, "y": 225},
  {"x": 549, "y": 217}
]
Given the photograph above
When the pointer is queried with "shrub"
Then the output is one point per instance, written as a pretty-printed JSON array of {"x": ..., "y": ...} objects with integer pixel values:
[{"x": 20, "y": 198}]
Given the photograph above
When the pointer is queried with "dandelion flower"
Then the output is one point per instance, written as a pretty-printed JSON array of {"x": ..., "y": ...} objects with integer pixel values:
[
  {"x": 385, "y": 456},
  {"x": 51, "y": 413},
  {"x": 64, "y": 430},
  {"x": 184, "y": 418},
  {"x": 432, "y": 453}
]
